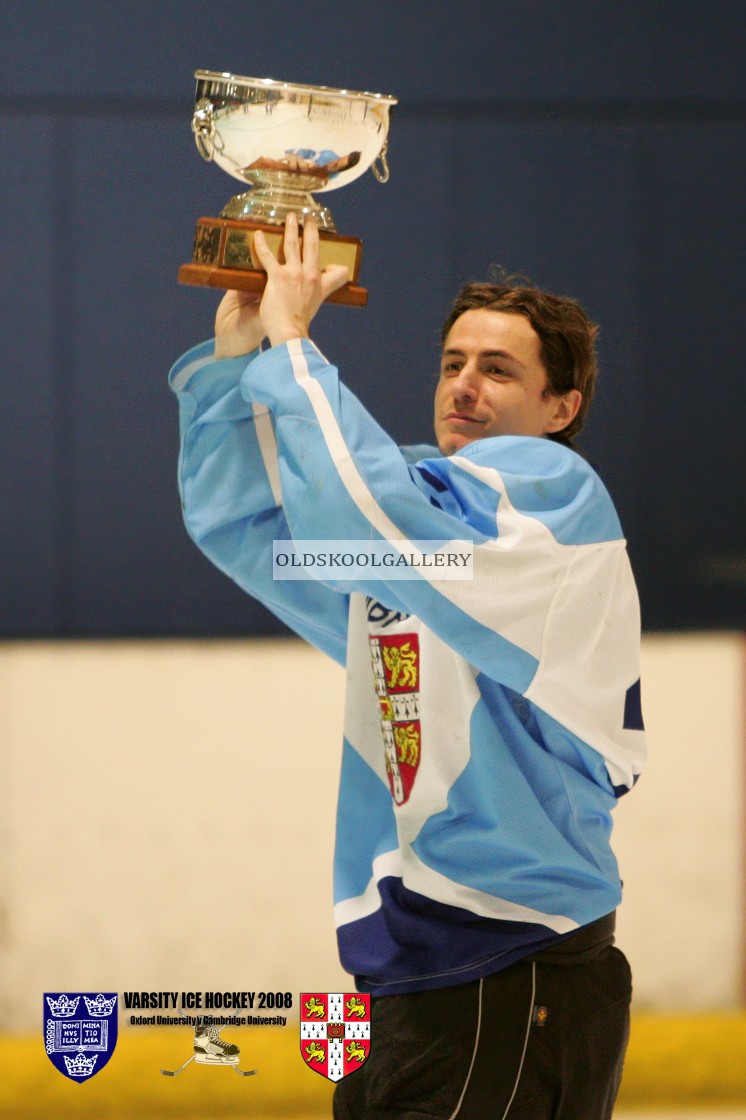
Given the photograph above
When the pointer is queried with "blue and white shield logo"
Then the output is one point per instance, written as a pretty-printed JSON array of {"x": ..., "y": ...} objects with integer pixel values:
[{"x": 80, "y": 1031}]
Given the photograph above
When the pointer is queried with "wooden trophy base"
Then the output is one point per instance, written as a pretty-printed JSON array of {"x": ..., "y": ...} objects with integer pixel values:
[{"x": 222, "y": 258}]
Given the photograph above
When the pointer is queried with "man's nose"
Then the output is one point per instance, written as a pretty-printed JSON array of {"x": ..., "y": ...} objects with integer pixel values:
[{"x": 466, "y": 383}]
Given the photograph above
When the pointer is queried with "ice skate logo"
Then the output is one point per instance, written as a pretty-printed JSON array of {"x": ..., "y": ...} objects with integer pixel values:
[
  {"x": 79, "y": 1046},
  {"x": 337, "y": 1042},
  {"x": 396, "y": 674},
  {"x": 210, "y": 1049}
]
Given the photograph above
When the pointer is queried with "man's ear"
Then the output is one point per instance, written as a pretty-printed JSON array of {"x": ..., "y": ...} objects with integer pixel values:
[{"x": 565, "y": 410}]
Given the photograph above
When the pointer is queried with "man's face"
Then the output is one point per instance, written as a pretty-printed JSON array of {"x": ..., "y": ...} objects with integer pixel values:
[{"x": 492, "y": 382}]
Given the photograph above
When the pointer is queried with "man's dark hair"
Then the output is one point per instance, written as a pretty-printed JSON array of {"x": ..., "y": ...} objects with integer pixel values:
[{"x": 566, "y": 335}]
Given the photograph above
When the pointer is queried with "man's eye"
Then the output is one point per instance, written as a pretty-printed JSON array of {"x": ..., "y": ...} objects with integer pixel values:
[
  {"x": 496, "y": 371},
  {"x": 451, "y": 367}
]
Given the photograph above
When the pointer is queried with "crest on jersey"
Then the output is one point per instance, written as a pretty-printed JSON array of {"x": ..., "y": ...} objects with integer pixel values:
[
  {"x": 334, "y": 1032},
  {"x": 80, "y": 1031},
  {"x": 396, "y": 672}
]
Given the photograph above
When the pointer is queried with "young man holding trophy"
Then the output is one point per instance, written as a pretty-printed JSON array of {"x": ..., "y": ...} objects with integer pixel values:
[{"x": 491, "y": 723}]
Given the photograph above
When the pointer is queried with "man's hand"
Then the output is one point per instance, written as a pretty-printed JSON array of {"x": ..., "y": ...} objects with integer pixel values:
[
  {"x": 296, "y": 289},
  {"x": 238, "y": 327}
]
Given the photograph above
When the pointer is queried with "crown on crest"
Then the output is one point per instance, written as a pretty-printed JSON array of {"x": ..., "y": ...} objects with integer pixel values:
[
  {"x": 80, "y": 1066},
  {"x": 63, "y": 1007},
  {"x": 100, "y": 1006}
]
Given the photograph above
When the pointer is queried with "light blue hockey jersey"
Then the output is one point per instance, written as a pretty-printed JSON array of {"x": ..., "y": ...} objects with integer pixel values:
[{"x": 490, "y": 724}]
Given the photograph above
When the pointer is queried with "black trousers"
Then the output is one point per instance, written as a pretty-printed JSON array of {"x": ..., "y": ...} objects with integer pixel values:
[{"x": 538, "y": 1041}]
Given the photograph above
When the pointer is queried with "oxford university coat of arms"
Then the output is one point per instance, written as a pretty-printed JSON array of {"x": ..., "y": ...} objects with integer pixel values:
[{"x": 80, "y": 1032}]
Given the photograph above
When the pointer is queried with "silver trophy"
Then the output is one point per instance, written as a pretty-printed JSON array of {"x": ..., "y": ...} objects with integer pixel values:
[{"x": 283, "y": 141}]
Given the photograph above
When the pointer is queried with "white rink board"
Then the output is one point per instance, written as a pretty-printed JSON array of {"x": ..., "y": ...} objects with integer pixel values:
[
  {"x": 159, "y": 797},
  {"x": 679, "y": 835}
]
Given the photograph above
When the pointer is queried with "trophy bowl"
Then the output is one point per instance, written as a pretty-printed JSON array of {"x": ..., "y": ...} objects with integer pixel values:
[{"x": 283, "y": 141}]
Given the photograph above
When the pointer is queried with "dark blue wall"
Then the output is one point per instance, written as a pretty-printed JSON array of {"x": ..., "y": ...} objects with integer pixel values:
[{"x": 597, "y": 148}]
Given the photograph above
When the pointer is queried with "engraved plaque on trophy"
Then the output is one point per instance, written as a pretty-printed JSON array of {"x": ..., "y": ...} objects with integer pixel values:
[{"x": 285, "y": 142}]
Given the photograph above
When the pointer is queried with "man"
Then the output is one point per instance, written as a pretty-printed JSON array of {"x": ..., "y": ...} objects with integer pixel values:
[{"x": 490, "y": 723}]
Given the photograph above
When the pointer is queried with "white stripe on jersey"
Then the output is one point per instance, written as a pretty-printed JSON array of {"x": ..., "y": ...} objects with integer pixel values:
[{"x": 265, "y": 434}]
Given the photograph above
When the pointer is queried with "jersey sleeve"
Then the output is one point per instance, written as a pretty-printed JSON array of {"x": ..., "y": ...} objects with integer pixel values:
[
  {"x": 232, "y": 499},
  {"x": 527, "y": 506}
]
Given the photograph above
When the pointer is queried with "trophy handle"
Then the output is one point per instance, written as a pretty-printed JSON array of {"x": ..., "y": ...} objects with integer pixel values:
[
  {"x": 383, "y": 174},
  {"x": 206, "y": 136}
]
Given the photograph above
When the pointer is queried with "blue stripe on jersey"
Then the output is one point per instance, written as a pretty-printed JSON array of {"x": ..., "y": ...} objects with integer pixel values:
[
  {"x": 479, "y": 644},
  {"x": 365, "y": 825},
  {"x": 552, "y": 821},
  {"x": 468, "y": 498},
  {"x": 319, "y": 505},
  {"x": 553, "y": 484},
  {"x": 414, "y": 940},
  {"x": 431, "y": 479},
  {"x": 589, "y": 793},
  {"x": 584, "y": 763}
]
